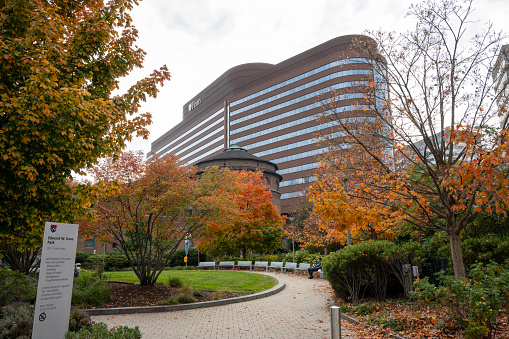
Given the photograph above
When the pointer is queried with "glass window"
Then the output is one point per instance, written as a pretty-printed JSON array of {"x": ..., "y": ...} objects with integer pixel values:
[{"x": 90, "y": 243}]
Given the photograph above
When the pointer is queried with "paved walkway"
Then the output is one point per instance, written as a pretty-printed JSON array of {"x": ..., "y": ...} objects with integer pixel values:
[{"x": 301, "y": 310}]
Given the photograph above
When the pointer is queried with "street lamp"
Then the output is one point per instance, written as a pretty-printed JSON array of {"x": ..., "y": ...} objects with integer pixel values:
[{"x": 293, "y": 241}]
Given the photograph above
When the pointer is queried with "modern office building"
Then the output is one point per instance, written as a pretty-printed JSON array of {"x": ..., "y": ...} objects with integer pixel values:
[
  {"x": 270, "y": 110},
  {"x": 501, "y": 82}
]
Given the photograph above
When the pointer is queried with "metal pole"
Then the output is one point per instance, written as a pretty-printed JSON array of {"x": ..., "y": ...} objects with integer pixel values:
[
  {"x": 335, "y": 322},
  {"x": 293, "y": 249},
  {"x": 104, "y": 255}
]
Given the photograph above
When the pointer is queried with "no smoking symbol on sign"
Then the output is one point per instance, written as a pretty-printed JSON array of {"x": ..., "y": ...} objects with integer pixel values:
[{"x": 42, "y": 316}]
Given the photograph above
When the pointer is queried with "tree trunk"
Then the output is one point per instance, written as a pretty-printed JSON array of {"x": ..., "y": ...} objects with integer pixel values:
[
  {"x": 457, "y": 255},
  {"x": 24, "y": 262}
]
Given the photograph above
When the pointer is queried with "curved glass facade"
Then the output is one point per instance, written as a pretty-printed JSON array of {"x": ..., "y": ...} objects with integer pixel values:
[{"x": 317, "y": 70}]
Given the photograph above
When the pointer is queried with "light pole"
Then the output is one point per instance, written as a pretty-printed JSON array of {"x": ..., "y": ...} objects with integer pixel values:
[{"x": 293, "y": 240}]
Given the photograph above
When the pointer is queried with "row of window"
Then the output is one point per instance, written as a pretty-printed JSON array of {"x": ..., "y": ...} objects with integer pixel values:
[
  {"x": 340, "y": 74},
  {"x": 294, "y": 112},
  {"x": 311, "y": 95},
  {"x": 302, "y": 76},
  {"x": 298, "y": 181},
  {"x": 206, "y": 154},
  {"x": 186, "y": 133},
  {"x": 205, "y": 137},
  {"x": 201, "y": 148},
  {"x": 292, "y": 145},
  {"x": 291, "y": 135},
  {"x": 300, "y": 155},
  {"x": 297, "y": 122},
  {"x": 300, "y": 168},
  {"x": 294, "y": 194}
]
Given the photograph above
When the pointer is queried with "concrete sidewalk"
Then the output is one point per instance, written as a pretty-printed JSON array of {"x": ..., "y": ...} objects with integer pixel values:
[{"x": 301, "y": 310}]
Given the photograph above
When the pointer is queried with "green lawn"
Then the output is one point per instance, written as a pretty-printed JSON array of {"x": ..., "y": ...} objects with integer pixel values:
[{"x": 207, "y": 280}]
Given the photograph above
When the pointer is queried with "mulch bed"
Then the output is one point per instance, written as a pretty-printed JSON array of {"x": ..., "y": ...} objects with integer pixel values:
[{"x": 133, "y": 295}]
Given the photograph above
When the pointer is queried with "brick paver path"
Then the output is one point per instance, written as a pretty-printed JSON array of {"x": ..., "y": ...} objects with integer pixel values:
[{"x": 301, "y": 310}]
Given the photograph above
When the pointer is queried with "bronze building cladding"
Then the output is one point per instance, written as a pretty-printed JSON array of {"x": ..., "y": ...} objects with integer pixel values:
[{"x": 270, "y": 111}]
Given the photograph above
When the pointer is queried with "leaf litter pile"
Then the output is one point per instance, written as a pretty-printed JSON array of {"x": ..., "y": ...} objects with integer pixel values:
[
  {"x": 408, "y": 320},
  {"x": 134, "y": 295}
]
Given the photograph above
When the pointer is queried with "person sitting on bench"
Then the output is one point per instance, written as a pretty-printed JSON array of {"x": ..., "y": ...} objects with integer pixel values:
[{"x": 316, "y": 267}]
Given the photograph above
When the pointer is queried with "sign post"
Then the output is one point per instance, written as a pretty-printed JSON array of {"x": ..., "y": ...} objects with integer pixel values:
[{"x": 54, "y": 290}]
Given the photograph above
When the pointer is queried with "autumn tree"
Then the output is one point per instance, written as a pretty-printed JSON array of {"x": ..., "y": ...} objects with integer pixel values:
[
  {"x": 150, "y": 208},
  {"x": 59, "y": 65},
  {"x": 255, "y": 223},
  {"x": 442, "y": 165},
  {"x": 337, "y": 211}
]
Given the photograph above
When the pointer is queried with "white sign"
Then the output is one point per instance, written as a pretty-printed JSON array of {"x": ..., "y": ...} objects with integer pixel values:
[
  {"x": 193, "y": 104},
  {"x": 54, "y": 290}
]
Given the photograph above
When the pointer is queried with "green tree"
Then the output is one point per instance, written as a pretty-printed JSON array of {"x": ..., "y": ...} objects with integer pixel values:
[{"x": 60, "y": 62}]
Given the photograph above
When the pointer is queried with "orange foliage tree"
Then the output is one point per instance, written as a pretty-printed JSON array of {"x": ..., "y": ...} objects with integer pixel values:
[
  {"x": 255, "y": 223},
  {"x": 60, "y": 62},
  {"x": 441, "y": 92},
  {"x": 149, "y": 208},
  {"x": 334, "y": 209}
]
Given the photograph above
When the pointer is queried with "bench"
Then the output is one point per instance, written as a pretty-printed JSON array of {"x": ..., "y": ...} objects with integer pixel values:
[
  {"x": 303, "y": 267},
  {"x": 276, "y": 265},
  {"x": 207, "y": 264},
  {"x": 290, "y": 266},
  {"x": 261, "y": 264},
  {"x": 226, "y": 264},
  {"x": 245, "y": 264}
]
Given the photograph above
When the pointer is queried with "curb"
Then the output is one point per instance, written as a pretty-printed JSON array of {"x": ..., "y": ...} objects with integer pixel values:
[{"x": 167, "y": 308}]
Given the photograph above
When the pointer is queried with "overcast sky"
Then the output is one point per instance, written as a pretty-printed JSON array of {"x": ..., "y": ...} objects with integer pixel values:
[{"x": 201, "y": 39}]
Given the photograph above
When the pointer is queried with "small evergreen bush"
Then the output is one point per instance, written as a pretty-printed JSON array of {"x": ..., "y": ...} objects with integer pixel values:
[
  {"x": 82, "y": 258},
  {"x": 79, "y": 319},
  {"x": 16, "y": 287},
  {"x": 16, "y": 321},
  {"x": 185, "y": 298},
  {"x": 474, "y": 303},
  {"x": 100, "y": 331},
  {"x": 90, "y": 290},
  {"x": 359, "y": 266},
  {"x": 175, "y": 282}
]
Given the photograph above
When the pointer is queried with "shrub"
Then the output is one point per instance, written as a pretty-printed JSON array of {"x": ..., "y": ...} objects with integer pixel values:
[
  {"x": 16, "y": 321},
  {"x": 90, "y": 291},
  {"x": 100, "y": 331},
  {"x": 359, "y": 266},
  {"x": 82, "y": 258},
  {"x": 185, "y": 298},
  {"x": 175, "y": 282},
  {"x": 113, "y": 261},
  {"x": 485, "y": 249},
  {"x": 198, "y": 294},
  {"x": 177, "y": 259},
  {"x": 475, "y": 302},
  {"x": 302, "y": 256},
  {"x": 16, "y": 287},
  {"x": 79, "y": 319}
]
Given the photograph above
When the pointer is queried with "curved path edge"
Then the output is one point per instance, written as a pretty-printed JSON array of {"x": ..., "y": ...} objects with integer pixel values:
[{"x": 150, "y": 309}]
